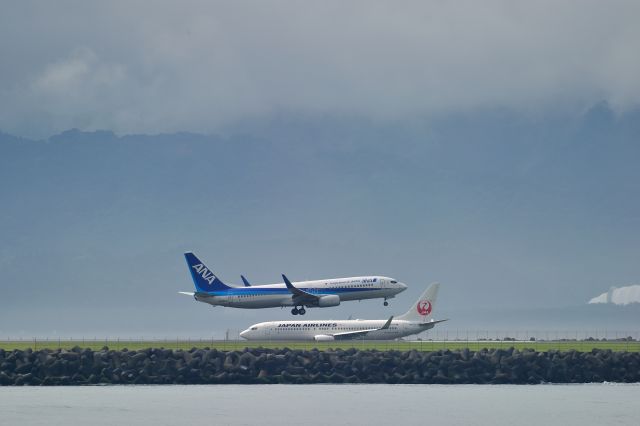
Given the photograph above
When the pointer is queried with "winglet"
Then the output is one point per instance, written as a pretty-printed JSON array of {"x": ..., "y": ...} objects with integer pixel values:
[
  {"x": 387, "y": 324},
  {"x": 288, "y": 283},
  {"x": 244, "y": 280}
]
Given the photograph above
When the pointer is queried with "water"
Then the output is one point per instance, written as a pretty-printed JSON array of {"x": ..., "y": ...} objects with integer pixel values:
[{"x": 594, "y": 404}]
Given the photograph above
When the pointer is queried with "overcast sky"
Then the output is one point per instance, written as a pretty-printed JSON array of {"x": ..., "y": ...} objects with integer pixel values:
[
  {"x": 492, "y": 146},
  {"x": 201, "y": 66}
]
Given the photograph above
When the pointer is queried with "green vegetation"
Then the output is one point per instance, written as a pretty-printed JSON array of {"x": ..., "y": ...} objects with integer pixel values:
[{"x": 580, "y": 345}]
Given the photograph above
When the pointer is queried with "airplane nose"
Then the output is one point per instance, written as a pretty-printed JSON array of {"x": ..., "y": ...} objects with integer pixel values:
[
  {"x": 244, "y": 334},
  {"x": 402, "y": 287}
]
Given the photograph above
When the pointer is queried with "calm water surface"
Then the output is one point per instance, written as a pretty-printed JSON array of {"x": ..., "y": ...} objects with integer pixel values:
[{"x": 595, "y": 404}]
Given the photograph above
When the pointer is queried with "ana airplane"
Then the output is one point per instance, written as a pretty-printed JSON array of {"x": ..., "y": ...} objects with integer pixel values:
[
  {"x": 416, "y": 320},
  {"x": 319, "y": 293}
]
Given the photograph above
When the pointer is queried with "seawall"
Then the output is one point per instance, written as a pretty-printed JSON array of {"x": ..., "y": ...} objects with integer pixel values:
[{"x": 254, "y": 366}]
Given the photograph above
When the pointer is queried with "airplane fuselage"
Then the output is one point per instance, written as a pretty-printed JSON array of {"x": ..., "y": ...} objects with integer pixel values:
[
  {"x": 324, "y": 330},
  {"x": 304, "y": 294},
  {"x": 276, "y": 295}
]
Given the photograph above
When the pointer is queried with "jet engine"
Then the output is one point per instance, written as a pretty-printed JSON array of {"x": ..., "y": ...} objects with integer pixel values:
[
  {"x": 329, "y": 300},
  {"x": 323, "y": 338}
]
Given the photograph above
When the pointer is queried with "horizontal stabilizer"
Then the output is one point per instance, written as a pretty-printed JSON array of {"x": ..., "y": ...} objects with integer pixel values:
[
  {"x": 198, "y": 294},
  {"x": 433, "y": 322}
]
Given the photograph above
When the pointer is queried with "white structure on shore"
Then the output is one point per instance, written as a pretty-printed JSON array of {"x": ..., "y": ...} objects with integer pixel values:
[{"x": 619, "y": 295}]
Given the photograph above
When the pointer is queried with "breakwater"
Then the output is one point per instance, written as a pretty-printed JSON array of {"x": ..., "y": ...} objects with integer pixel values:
[{"x": 253, "y": 366}]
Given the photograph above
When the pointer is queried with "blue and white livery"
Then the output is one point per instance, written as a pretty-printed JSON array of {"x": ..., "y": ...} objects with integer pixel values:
[{"x": 303, "y": 294}]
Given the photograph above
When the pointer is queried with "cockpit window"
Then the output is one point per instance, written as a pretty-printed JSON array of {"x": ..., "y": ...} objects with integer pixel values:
[
  {"x": 394, "y": 282},
  {"x": 254, "y": 328}
]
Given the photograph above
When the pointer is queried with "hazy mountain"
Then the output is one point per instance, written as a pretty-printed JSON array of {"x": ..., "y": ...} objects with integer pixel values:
[{"x": 504, "y": 209}]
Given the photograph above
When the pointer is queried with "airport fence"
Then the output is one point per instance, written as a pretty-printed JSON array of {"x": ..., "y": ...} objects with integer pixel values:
[{"x": 432, "y": 341}]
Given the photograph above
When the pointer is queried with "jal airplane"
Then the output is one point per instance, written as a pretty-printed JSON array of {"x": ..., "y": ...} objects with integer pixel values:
[
  {"x": 303, "y": 294},
  {"x": 416, "y": 320}
]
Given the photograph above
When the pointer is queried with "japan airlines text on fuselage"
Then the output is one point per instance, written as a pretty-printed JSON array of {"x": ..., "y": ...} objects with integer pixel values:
[
  {"x": 416, "y": 320},
  {"x": 318, "y": 293}
]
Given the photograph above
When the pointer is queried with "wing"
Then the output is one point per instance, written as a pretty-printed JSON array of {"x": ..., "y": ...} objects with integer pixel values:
[
  {"x": 360, "y": 333},
  {"x": 299, "y": 296}
]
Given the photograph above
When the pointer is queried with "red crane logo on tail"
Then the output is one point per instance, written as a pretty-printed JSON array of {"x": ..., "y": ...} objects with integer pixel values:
[{"x": 424, "y": 307}]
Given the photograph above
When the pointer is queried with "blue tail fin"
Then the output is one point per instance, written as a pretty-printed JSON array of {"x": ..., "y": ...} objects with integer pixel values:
[{"x": 203, "y": 278}]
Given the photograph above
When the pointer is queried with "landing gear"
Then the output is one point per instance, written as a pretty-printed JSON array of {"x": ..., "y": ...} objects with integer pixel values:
[
  {"x": 385, "y": 302},
  {"x": 300, "y": 311}
]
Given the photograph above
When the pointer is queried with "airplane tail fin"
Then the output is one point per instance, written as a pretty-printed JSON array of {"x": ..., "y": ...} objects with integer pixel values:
[
  {"x": 422, "y": 308},
  {"x": 203, "y": 279}
]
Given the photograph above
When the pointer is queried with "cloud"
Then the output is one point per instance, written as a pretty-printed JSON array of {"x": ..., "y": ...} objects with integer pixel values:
[
  {"x": 200, "y": 66},
  {"x": 81, "y": 71},
  {"x": 619, "y": 295},
  {"x": 79, "y": 90}
]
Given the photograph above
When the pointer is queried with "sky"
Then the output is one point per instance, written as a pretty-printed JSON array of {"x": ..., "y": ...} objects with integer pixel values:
[
  {"x": 201, "y": 66},
  {"x": 490, "y": 146}
]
